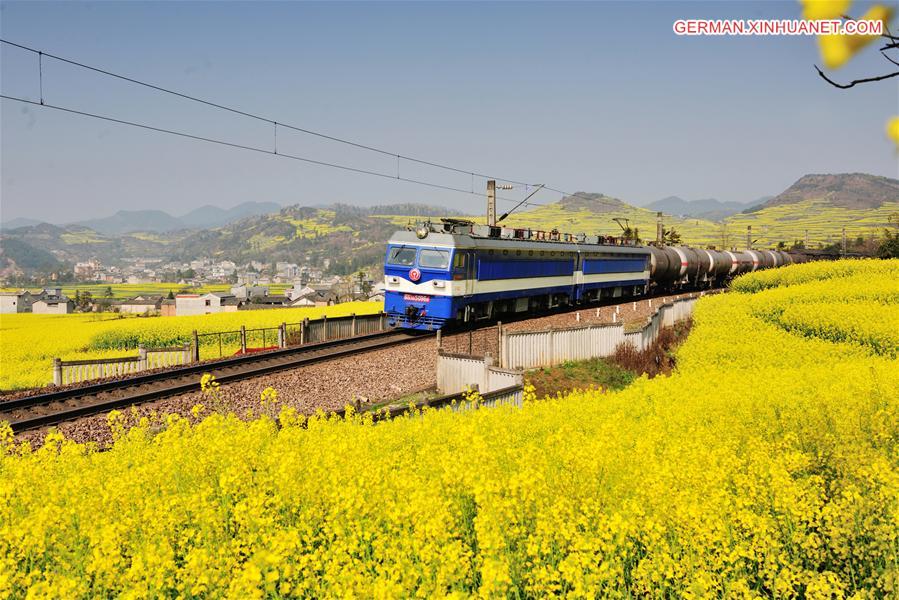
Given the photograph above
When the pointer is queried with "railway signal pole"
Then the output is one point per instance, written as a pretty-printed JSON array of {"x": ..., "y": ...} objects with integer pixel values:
[{"x": 660, "y": 231}]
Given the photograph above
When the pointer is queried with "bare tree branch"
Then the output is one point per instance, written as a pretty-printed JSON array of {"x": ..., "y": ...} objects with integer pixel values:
[
  {"x": 853, "y": 83},
  {"x": 889, "y": 59}
]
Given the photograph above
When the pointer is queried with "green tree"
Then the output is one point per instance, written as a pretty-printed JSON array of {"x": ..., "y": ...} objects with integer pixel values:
[
  {"x": 670, "y": 237},
  {"x": 85, "y": 301},
  {"x": 889, "y": 243}
]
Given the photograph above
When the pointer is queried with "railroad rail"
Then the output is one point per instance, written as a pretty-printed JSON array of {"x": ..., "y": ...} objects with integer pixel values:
[{"x": 51, "y": 408}]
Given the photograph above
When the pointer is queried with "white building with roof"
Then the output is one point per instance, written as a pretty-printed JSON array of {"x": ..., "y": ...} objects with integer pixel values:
[
  {"x": 15, "y": 302},
  {"x": 203, "y": 304}
]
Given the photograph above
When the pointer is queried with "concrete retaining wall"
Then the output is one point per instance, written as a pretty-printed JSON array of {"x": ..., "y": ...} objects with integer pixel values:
[{"x": 532, "y": 349}]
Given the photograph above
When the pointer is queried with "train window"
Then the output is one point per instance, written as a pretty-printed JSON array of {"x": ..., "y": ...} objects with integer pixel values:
[
  {"x": 505, "y": 252},
  {"x": 530, "y": 253},
  {"x": 459, "y": 260},
  {"x": 434, "y": 259},
  {"x": 402, "y": 256},
  {"x": 518, "y": 253}
]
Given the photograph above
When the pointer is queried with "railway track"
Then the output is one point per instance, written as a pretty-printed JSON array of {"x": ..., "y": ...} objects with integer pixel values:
[{"x": 51, "y": 408}]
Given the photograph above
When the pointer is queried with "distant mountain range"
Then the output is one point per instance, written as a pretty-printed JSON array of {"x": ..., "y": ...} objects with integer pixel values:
[
  {"x": 158, "y": 221},
  {"x": 707, "y": 208}
]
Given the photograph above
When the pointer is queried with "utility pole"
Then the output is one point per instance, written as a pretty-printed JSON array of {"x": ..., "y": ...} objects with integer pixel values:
[
  {"x": 491, "y": 203},
  {"x": 660, "y": 230},
  {"x": 806, "y": 238},
  {"x": 843, "y": 244},
  {"x": 749, "y": 237}
]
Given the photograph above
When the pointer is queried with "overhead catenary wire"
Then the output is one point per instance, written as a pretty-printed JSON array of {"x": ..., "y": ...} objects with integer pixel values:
[
  {"x": 210, "y": 140},
  {"x": 269, "y": 120}
]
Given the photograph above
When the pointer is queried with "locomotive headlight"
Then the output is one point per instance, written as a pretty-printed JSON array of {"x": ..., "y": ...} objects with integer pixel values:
[{"x": 421, "y": 232}]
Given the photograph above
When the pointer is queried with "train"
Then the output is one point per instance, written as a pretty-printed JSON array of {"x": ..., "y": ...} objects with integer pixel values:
[{"x": 451, "y": 272}]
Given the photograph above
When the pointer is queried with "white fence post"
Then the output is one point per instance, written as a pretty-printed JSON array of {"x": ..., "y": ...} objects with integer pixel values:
[{"x": 142, "y": 363}]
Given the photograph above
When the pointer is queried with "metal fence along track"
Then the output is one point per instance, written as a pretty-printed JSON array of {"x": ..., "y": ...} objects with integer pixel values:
[{"x": 32, "y": 412}]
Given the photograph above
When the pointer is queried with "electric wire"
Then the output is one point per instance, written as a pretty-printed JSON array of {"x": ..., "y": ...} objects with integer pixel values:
[
  {"x": 243, "y": 146},
  {"x": 271, "y": 121}
]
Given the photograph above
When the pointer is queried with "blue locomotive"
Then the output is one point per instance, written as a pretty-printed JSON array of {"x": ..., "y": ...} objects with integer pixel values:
[{"x": 457, "y": 271}]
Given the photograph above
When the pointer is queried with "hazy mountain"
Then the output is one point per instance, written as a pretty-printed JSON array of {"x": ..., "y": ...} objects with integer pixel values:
[
  {"x": 126, "y": 221},
  {"x": 841, "y": 190},
  {"x": 711, "y": 209},
  {"x": 213, "y": 216},
  {"x": 17, "y": 255},
  {"x": 19, "y": 222},
  {"x": 594, "y": 202},
  {"x": 158, "y": 221}
]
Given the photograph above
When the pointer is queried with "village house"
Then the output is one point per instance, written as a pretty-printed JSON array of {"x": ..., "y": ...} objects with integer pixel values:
[
  {"x": 140, "y": 305},
  {"x": 87, "y": 271},
  {"x": 248, "y": 292},
  {"x": 316, "y": 298},
  {"x": 298, "y": 291},
  {"x": 15, "y": 302},
  {"x": 202, "y": 304},
  {"x": 302, "y": 302},
  {"x": 167, "y": 309},
  {"x": 267, "y": 302},
  {"x": 53, "y": 302}
]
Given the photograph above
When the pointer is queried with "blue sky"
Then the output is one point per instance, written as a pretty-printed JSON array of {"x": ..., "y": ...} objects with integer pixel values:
[{"x": 599, "y": 97}]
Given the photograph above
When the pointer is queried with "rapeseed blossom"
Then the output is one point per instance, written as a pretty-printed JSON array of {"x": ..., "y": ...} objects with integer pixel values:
[
  {"x": 767, "y": 464},
  {"x": 29, "y": 342}
]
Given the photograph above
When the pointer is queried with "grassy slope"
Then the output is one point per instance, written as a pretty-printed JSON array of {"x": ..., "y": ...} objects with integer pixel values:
[
  {"x": 823, "y": 222},
  {"x": 693, "y": 231},
  {"x": 785, "y": 223}
]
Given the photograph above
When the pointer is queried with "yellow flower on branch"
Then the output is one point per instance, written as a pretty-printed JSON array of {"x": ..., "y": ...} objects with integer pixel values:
[
  {"x": 836, "y": 50},
  {"x": 893, "y": 130}
]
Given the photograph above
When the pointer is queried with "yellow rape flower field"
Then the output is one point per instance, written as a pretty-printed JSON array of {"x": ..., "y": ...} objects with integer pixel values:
[
  {"x": 766, "y": 465},
  {"x": 30, "y": 342}
]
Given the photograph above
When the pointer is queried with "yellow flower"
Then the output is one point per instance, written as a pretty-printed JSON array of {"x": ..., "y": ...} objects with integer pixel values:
[
  {"x": 893, "y": 130},
  {"x": 269, "y": 396},
  {"x": 836, "y": 50}
]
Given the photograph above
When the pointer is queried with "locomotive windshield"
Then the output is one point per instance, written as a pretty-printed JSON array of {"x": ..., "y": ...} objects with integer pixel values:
[
  {"x": 402, "y": 256},
  {"x": 434, "y": 259}
]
